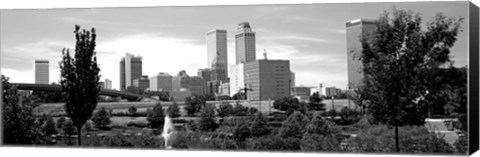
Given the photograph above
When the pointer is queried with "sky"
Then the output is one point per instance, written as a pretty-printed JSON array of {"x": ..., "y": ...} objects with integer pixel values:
[{"x": 170, "y": 39}]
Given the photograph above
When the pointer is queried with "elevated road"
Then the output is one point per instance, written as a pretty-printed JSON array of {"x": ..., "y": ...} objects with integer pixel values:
[{"x": 49, "y": 87}]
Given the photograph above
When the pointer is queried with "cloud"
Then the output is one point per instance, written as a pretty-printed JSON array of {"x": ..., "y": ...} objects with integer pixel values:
[{"x": 159, "y": 54}]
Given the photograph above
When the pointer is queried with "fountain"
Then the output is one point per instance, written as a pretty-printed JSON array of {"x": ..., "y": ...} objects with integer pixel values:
[{"x": 167, "y": 131}]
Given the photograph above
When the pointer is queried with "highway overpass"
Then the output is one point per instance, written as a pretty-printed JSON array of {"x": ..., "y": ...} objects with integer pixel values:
[{"x": 50, "y": 87}]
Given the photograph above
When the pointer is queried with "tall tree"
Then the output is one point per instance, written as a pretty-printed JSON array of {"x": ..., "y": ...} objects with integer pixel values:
[
  {"x": 19, "y": 124},
  {"x": 80, "y": 79},
  {"x": 315, "y": 102},
  {"x": 397, "y": 62}
]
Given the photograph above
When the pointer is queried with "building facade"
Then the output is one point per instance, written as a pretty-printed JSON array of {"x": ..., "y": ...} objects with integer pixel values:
[
  {"x": 42, "y": 71},
  {"x": 161, "y": 82},
  {"x": 332, "y": 91},
  {"x": 217, "y": 56},
  {"x": 302, "y": 92},
  {"x": 292, "y": 85},
  {"x": 224, "y": 89},
  {"x": 108, "y": 84},
  {"x": 267, "y": 79},
  {"x": 244, "y": 44},
  {"x": 357, "y": 29},
  {"x": 219, "y": 69},
  {"x": 130, "y": 69},
  {"x": 195, "y": 84},
  {"x": 142, "y": 83},
  {"x": 236, "y": 78}
]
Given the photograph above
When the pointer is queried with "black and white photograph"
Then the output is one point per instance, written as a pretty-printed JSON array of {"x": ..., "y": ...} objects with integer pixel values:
[{"x": 355, "y": 78}]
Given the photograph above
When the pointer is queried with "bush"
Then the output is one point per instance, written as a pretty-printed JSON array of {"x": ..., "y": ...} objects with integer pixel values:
[
  {"x": 156, "y": 117},
  {"x": 294, "y": 126},
  {"x": 193, "y": 104},
  {"x": 49, "y": 127},
  {"x": 315, "y": 103},
  {"x": 173, "y": 110},
  {"x": 239, "y": 110},
  {"x": 241, "y": 131},
  {"x": 68, "y": 128},
  {"x": 259, "y": 126},
  {"x": 318, "y": 142},
  {"x": 291, "y": 143},
  {"x": 61, "y": 122},
  {"x": 318, "y": 125},
  {"x": 270, "y": 142},
  {"x": 132, "y": 110},
  {"x": 207, "y": 119},
  {"x": 462, "y": 144},
  {"x": 137, "y": 124},
  {"x": 225, "y": 109},
  {"x": 101, "y": 118}
]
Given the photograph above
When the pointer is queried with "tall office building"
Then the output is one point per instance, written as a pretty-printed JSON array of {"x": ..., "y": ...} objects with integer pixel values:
[
  {"x": 130, "y": 69},
  {"x": 292, "y": 85},
  {"x": 161, "y": 82},
  {"x": 142, "y": 83},
  {"x": 219, "y": 69},
  {"x": 41, "y": 71},
  {"x": 217, "y": 52},
  {"x": 267, "y": 79},
  {"x": 244, "y": 43},
  {"x": 236, "y": 78},
  {"x": 108, "y": 84},
  {"x": 357, "y": 29}
]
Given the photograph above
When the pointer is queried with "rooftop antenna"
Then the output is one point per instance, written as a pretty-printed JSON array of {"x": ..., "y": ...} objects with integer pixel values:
[{"x": 265, "y": 54}]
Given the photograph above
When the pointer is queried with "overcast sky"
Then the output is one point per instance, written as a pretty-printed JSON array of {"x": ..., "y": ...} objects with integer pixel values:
[{"x": 171, "y": 39}]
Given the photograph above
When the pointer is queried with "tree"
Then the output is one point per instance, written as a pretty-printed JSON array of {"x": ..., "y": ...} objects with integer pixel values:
[
  {"x": 398, "y": 60},
  {"x": 241, "y": 131},
  {"x": 294, "y": 126},
  {"x": 318, "y": 125},
  {"x": 289, "y": 104},
  {"x": 61, "y": 122},
  {"x": 49, "y": 127},
  {"x": 259, "y": 126},
  {"x": 101, "y": 118},
  {"x": 193, "y": 104},
  {"x": 155, "y": 117},
  {"x": 132, "y": 110},
  {"x": 225, "y": 109},
  {"x": 238, "y": 96},
  {"x": 69, "y": 128},
  {"x": 80, "y": 79},
  {"x": 19, "y": 124},
  {"x": 207, "y": 119},
  {"x": 318, "y": 142},
  {"x": 239, "y": 110},
  {"x": 315, "y": 102},
  {"x": 173, "y": 110}
]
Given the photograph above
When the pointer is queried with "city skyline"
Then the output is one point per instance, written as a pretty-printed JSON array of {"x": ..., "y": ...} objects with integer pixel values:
[{"x": 312, "y": 37}]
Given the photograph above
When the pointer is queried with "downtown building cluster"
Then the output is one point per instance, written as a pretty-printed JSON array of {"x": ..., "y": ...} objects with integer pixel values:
[{"x": 259, "y": 79}]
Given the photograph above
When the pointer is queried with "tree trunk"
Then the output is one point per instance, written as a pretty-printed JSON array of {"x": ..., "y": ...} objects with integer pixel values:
[
  {"x": 79, "y": 134},
  {"x": 397, "y": 147}
]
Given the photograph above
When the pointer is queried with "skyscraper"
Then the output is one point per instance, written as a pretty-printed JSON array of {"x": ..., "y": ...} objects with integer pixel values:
[
  {"x": 244, "y": 43},
  {"x": 267, "y": 79},
  {"x": 161, "y": 82},
  {"x": 217, "y": 51},
  {"x": 219, "y": 69},
  {"x": 236, "y": 78},
  {"x": 108, "y": 84},
  {"x": 41, "y": 71},
  {"x": 357, "y": 29},
  {"x": 130, "y": 69}
]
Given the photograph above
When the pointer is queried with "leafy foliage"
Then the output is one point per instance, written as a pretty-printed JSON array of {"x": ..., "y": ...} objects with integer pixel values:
[
  {"x": 315, "y": 102},
  {"x": 207, "y": 119},
  {"x": 173, "y": 110},
  {"x": 69, "y": 128},
  {"x": 225, "y": 109},
  {"x": 61, "y": 122},
  {"x": 48, "y": 127},
  {"x": 101, "y": 118},
  {"x": 193, "y": 104},
  {"x": 319, "y": 142},
  {"x": 289, "y": 104},
  {"x": 132, "y": 110},
  {"x": 259, "y": 126},
  {"x": 293, "y": 126},
  {"x": 240, "y": 110},
  {"x": 155, "y": 117},
  {"x": 19, "y": 125},
  {"x": 80, "y": 79}
]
